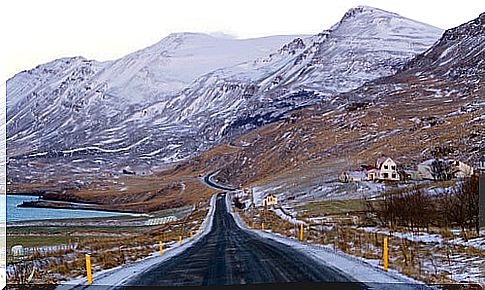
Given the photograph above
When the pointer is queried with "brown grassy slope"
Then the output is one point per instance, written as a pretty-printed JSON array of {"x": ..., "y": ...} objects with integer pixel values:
[
  {"x": 177, "y": 186},
  {"x": 445, "y": 91},
  {"x": 312, "y": 139}
]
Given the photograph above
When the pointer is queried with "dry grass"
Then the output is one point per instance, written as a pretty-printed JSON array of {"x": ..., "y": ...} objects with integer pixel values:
[
  {"x": 424, "y": 262},
  {"x": 331, "y": 207},
  {"x": 110, "y": 252},
  {"x": 142, "y": 194}
]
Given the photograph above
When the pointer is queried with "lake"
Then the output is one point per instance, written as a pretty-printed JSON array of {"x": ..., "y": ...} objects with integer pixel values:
[{"x": 15, "y": 214}]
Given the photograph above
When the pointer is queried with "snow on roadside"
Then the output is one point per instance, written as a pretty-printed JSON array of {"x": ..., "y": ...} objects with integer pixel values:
[
  {"x": 478, "y": 243},
  {"x": 281, "y": 214},
  {"x": 121, "y": 274},
  {"x": 357, "y": 268}
]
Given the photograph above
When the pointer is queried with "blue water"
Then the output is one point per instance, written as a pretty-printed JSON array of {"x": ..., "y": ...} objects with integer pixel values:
[{"x": 15, "y": 213}]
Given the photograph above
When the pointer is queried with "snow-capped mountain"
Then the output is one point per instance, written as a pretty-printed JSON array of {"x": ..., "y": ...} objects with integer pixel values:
[
  {"x": 433, "y": 106},
  {"x": 366, "y": 44},
  {"x": 66, "y": 103},
  {"x": 170, "y": 65},
  {"x": 190, "y": 91}
]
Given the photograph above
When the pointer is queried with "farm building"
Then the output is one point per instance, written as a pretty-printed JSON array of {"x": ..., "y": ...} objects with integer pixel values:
[
  {"x": 385, "y": 169},
  {"x": 269, "y": 200},
  {"x": 434, "y": 169},
  {"x": 352, "y": 176},
  {"x": 460, "y": 169}
]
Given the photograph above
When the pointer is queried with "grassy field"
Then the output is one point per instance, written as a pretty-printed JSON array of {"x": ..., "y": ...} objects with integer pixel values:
[
  {"x": 330, "y": 207},
  {"x": 103, "y": 242},
  {"x": 52, "y": 232},
  {"x": 430, "y": 262},
  {"x": 50, "y": 236},
  {"x": 42, "y": 241}
]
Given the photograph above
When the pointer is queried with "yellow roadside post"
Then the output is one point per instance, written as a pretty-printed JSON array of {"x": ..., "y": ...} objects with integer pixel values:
[
  {"x": 180, "y": 240},
  {"x": 191, "y": 235},
  {"x": 301, "y": 232},
  {"x": 386, "y": 254},
  {"x": 88, "y": 269},
  {"x": 262, "y": 226},
  {"x": 161, "y": 248}
]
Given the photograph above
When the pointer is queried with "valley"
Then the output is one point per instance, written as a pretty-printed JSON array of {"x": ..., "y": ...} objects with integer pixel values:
[{"x": 291, "y": 129}]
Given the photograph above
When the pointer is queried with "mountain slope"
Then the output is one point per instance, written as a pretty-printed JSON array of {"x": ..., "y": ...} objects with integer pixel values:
[
  {"x": 89, "y": 118},
  {"x": 73, "y": 103},
  {"x": 434, "y": 104},
  {"x": 170, "y": 65},
  {"x": 366, "y": 44}
]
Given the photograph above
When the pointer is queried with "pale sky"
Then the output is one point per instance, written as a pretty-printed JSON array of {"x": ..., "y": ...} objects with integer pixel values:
[{"x": 38, "y": 31}]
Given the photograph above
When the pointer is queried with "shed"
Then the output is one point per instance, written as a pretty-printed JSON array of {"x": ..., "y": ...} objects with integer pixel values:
[{"x": 17, "y": 250}]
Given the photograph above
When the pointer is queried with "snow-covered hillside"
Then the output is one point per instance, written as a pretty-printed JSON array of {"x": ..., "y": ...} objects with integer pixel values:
[
  {"x": 433, "y": 104},
  {"x": 68, "y": 103},
  {"x": 366, "y": 44},
  {"x": 190, "y": 92},
  {"x": 168, "y": 66}
]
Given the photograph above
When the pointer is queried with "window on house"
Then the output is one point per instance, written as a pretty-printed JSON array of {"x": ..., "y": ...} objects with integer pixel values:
[
  {"x": 386, "y": 175},
  {"x": 393, "y": 167},
  {"x": 394, "y": 175},
  {"x": 386, "y": 167}
]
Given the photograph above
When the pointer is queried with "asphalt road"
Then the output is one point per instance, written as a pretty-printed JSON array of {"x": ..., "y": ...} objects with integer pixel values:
[
  {"x": 208, "y": 181},
  {"x": 230, "y": 255}
]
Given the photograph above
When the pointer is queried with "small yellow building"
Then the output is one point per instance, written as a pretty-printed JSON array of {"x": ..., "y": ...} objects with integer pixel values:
[{"x": 270, "y": 199}]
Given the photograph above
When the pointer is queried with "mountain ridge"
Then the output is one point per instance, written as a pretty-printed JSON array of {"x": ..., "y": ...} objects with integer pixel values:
[{"x": 100, "y": 131}]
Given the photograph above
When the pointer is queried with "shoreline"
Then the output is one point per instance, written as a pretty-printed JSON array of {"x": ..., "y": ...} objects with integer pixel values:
[
  {"x": 49, "y": 195},
  {"x": 54, "y": 204}
]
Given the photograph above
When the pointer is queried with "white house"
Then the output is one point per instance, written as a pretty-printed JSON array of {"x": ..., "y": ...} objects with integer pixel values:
[
  {"x": 270, "y": 199},
  {"x": 457, "y": 168},
  {"x": 385, "y": 169},
  {"x": 460, "y": 169}
]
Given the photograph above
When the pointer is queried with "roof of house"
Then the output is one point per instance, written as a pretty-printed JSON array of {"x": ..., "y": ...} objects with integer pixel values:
[
  {"x": 368, "y": 167},
  {"x": 381, "y": 160},
  {"x": 482, "y": 159}
]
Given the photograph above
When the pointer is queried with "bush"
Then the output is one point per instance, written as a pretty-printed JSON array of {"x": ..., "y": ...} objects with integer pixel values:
[
  {"x": 416, "y": 210},
  {"x": 410, "y": 208},
  {"x": 459, "y": 206}
]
